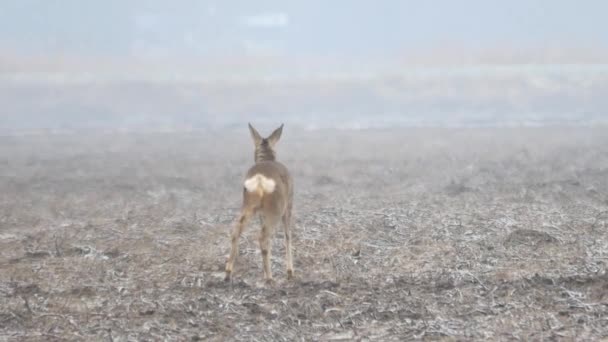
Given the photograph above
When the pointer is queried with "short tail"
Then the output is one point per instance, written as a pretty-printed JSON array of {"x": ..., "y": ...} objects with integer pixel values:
[{"x": 260, "y": 184}]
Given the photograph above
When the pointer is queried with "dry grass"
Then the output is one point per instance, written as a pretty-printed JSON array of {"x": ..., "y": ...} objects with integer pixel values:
[{"x": 409, "y": 234}]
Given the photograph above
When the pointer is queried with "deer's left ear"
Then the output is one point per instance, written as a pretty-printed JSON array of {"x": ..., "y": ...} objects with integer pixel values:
[
  {"x": 257, "y": 138},
  {"x": 275, "y": 136}
]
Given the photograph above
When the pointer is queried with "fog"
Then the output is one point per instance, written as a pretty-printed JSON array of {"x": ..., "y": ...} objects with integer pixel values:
[
  {"x": 449, "y": 166},
  {"x": 70, "y": 65}
]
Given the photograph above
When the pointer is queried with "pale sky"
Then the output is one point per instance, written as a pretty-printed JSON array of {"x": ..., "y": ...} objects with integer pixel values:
[{"x": 309, "y": 27}]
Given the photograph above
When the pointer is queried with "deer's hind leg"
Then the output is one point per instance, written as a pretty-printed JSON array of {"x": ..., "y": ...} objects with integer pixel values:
[
  {"x": 234, "y": 246},
  {"x": 287, "y": 228}
]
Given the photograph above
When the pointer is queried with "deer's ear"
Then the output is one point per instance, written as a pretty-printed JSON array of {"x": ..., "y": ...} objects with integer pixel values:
[
  {"x": 257, "y": 138},
  {"x": 275, "y": 136}
]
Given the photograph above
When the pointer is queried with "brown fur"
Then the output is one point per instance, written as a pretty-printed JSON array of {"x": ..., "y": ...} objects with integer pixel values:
[{"x": 273, "y": 207}]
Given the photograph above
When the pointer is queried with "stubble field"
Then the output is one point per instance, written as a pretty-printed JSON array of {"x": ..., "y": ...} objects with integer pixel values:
[{"x": 440, "y": 234}]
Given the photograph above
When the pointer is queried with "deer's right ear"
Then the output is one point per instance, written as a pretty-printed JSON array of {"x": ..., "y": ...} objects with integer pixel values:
[
  {"x": 257, "y": 138},
  {"x": 275, "y": 136}
]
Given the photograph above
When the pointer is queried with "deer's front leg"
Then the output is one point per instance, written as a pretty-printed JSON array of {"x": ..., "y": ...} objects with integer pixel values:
[{"x": 266, "y": 249}]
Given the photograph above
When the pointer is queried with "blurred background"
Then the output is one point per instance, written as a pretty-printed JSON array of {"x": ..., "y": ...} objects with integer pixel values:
[{"x": 136, "y": 65}]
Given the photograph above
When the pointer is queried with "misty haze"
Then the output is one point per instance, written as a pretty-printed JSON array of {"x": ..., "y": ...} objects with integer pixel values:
[{"x": 449, "y": 158}]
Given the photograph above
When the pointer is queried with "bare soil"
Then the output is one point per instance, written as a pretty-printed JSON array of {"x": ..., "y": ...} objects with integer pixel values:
[{"x": 437, "y": 234}]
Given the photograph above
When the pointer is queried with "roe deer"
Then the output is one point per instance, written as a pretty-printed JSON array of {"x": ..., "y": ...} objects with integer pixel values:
[{"x": 267, "y": 191}]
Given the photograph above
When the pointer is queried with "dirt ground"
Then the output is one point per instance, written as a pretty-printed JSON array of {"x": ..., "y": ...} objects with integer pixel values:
[{"x": 435, "y": 234}]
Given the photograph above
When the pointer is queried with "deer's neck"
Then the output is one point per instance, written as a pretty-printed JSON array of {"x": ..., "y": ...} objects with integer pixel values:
[{"x": 264, "y": 154}]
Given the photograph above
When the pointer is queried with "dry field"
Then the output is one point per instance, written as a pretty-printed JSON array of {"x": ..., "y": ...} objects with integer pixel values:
[{"x": 438, "y": 234}]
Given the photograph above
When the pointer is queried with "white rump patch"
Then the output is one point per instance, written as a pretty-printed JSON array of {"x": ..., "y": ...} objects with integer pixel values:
[{"x": 259, "y": 183}]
